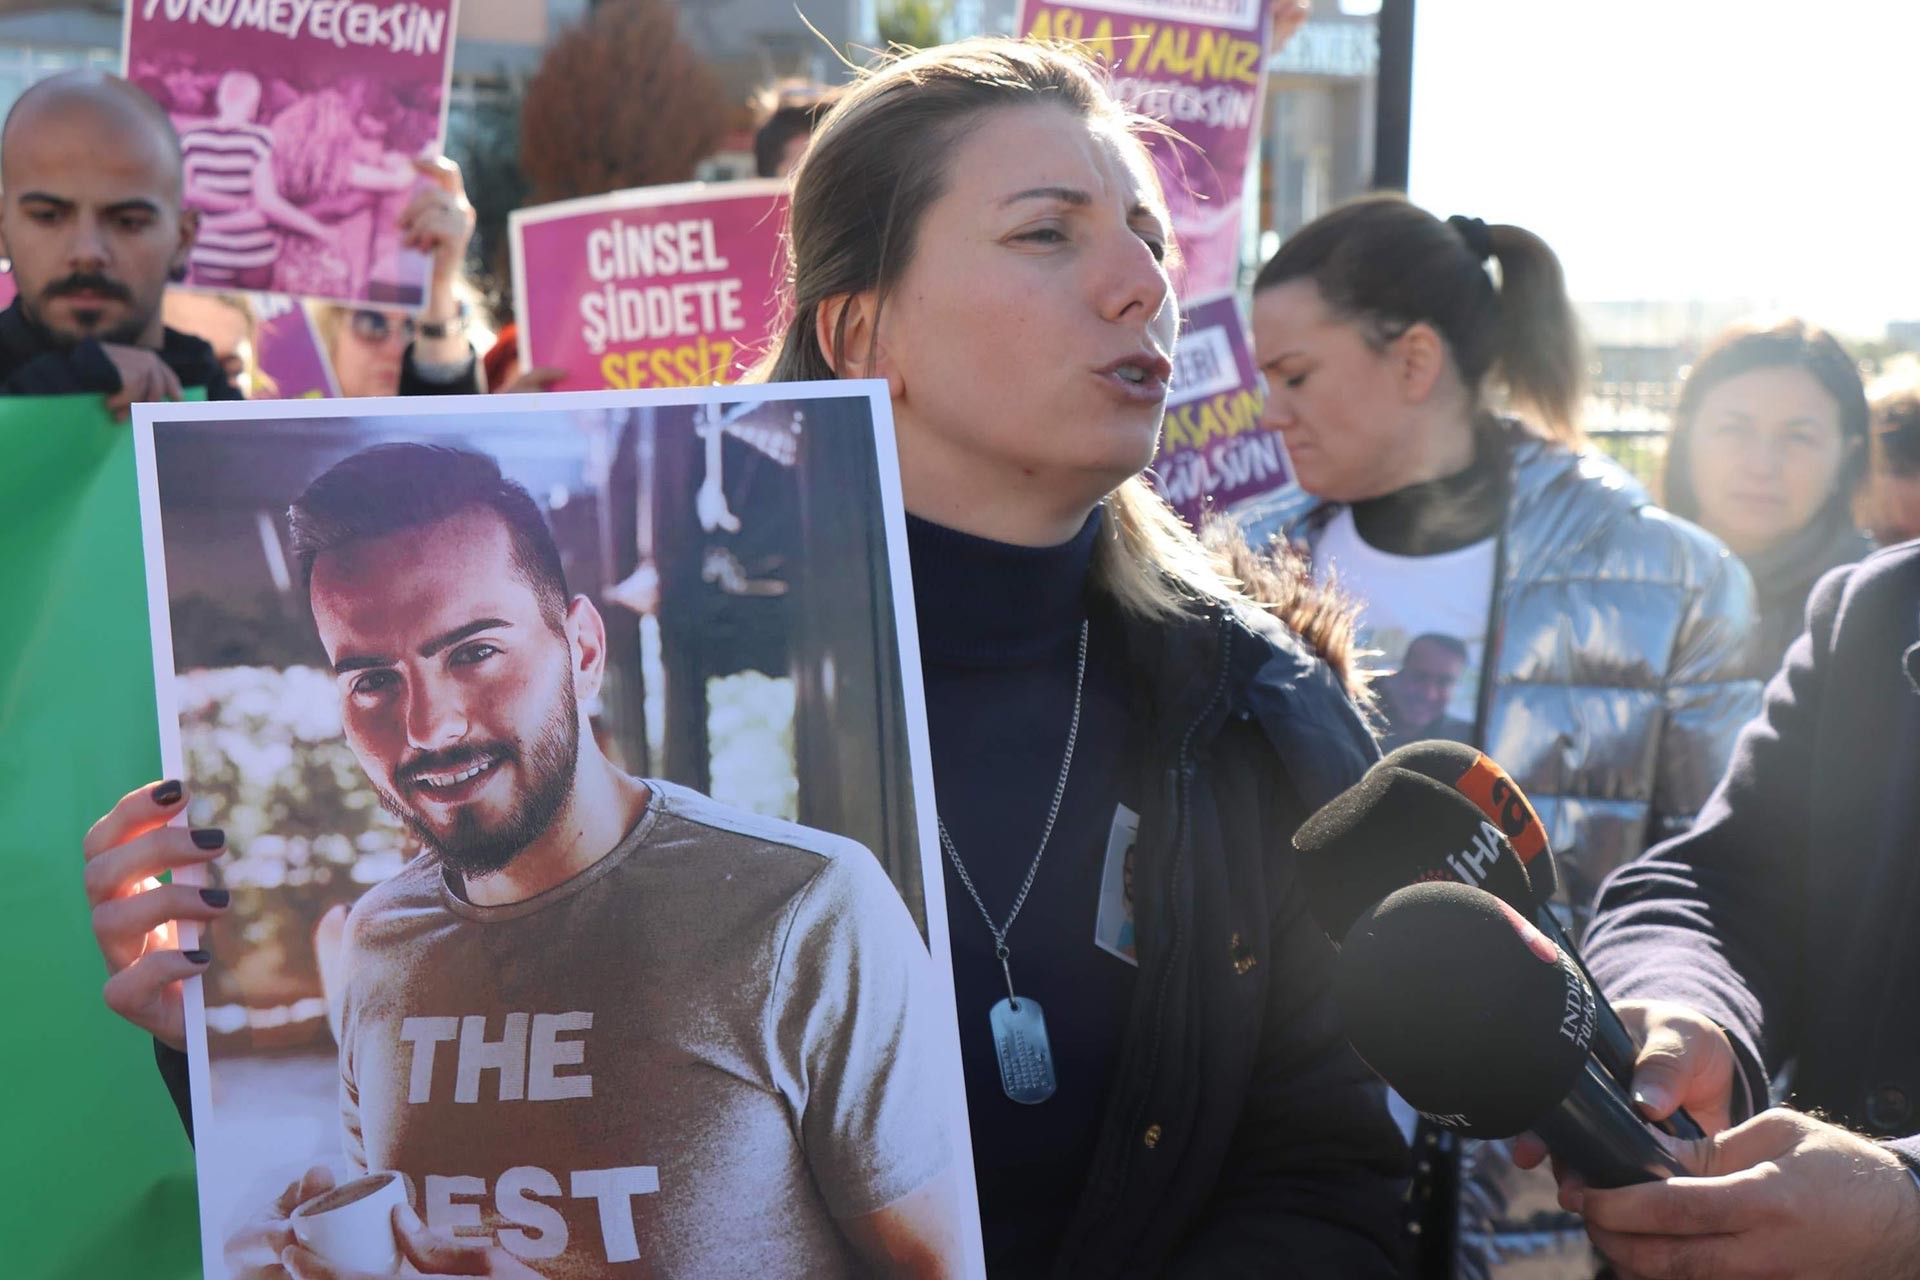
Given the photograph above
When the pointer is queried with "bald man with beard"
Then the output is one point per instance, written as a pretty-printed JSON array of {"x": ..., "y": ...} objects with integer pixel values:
[{"x": 93, "y": 220}]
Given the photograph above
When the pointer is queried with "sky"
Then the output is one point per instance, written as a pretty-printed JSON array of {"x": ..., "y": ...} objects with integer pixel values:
[{"x": 1756, "y": 150}]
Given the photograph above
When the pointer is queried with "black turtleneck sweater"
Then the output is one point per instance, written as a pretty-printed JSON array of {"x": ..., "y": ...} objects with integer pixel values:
[
  {"x": 999, "y": 629},
  {"x": 1443, "y": 515}
]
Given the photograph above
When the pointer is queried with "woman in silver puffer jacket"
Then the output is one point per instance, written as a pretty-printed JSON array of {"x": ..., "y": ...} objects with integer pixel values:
[{"x": 1521, "y": 592}]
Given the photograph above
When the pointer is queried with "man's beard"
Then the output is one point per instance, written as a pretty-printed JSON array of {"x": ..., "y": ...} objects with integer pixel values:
[
  {"x": 548, "y": 768},
  {"x": 127, "y": 333}
]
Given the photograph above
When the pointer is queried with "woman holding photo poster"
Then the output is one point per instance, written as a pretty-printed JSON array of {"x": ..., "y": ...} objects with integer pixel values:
[
  {"x": 1525, "y": 594},
  {"x": 1127, "y": 725}
]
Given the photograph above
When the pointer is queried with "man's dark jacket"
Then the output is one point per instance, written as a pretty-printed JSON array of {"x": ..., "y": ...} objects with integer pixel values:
[
  {"x": 1243, "y": 1137},
  {"x": 33, "y": 364},
  {"x": 1788, "y": 914}
]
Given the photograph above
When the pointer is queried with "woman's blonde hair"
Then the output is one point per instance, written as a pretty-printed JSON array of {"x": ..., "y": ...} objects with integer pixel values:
[{"x": 877, "y": 162}]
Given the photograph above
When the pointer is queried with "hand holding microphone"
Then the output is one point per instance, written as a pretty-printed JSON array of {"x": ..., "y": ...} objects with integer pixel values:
[
  {"x": 1487, "y": 1029},
  {"x": 1443, "y": 811},
  {"x": 1685, "y": 1060}
]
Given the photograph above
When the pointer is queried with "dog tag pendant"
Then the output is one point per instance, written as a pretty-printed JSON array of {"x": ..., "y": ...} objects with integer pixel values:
[{"x": 1020, "y": 1041}]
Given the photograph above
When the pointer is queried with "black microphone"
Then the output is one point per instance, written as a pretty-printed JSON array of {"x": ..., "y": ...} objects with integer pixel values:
[
  {"x": 1486, "y": 1028},
  {"x": 1396, "y": 827},
  {"x": 1477, "y": 778}
]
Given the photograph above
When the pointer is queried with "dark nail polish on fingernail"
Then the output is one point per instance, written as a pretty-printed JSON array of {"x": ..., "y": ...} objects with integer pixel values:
[
  {"x": 216, "y": 897},
  {"x": 165, "y": 794},
  {"x": 209, "y": 837},
  {"x": 198, "y": 957}
]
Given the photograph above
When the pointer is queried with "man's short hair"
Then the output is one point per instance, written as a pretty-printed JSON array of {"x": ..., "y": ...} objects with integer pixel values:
[
  {"x": 1447, "y": 644},
  {"x": 790, "y": 111},
  {"x": 392, "y": 487},
  {"x": 103, "y": 91}
]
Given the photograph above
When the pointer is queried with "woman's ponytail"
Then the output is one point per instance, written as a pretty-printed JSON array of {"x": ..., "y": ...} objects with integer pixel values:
[
  {"x": 1385, "y": 263},
  {"x": 1537, "y": 346}
]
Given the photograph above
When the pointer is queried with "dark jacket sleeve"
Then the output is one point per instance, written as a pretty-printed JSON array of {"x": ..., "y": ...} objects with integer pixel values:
[
  {"x": 84, "y": 369},
  {"x": 220, "y": 388},
  {"x": 467, "y": 383},
  {"x": 173, "y": 1070},
  {"x": 1314, "y": 1182},
  {"x": 1712, "y": 919}
]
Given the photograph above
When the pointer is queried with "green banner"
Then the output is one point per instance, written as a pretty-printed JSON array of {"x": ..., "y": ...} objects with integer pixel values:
[{"x": 96, "y": 1177}]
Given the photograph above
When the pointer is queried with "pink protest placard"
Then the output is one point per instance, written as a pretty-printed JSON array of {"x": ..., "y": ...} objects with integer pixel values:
[
  {"x": 289, "y": 350},
  {"x": 670, "y": 286},
  {"x": 1214, "y": 454},
  {"x": 1200, "y": 67},
  {"x": 299, "y": 123}
]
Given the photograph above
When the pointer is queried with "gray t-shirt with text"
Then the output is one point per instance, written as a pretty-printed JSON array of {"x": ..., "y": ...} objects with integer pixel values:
[{"x": 688, "y": 1060}]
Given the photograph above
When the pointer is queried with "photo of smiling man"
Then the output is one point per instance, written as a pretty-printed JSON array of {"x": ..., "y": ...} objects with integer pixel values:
[{"x": 595, "y": 1022}]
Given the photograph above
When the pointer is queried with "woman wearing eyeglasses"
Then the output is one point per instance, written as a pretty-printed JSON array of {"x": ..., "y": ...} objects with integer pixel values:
[{"x": 377, "y": 352}]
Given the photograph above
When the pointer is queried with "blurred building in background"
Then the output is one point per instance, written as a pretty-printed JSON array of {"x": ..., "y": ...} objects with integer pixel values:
[{"x": 1317, "y": 148}]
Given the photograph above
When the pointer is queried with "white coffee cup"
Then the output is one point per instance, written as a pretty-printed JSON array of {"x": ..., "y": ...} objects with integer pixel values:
[{"x": 352, "y": 1225}]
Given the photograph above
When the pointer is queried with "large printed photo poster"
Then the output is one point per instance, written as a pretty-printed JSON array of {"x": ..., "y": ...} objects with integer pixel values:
[
  {"x": 1199, "y": 67},
  {"x": 299, "y": 126},
  {"x": 572, "y": 770}
]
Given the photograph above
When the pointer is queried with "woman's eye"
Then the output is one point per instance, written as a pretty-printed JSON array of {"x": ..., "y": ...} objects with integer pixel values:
[
  {"x": 1157, "y": 247},
  {"x": 1043, "y": 235},
  {"x": 1296, "y": 380}
]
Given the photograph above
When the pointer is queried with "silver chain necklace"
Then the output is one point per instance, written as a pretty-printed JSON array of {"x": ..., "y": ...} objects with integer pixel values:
[{"x": 1019, "y": 1028}]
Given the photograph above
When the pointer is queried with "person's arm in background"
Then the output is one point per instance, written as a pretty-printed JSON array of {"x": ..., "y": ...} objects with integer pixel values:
[
  {"x": 276, "y": 208},
  {"x": 1698, "y": 943},
  {"x": 1712, "y": 920},
  {"x": 439, "y": 222},
  {"x": 1710, "y": 691},
  {"x": 124, "y": 375}
]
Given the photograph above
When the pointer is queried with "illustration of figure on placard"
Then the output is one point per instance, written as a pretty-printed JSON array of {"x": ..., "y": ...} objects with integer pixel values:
[{"x": 299, "y": 147}]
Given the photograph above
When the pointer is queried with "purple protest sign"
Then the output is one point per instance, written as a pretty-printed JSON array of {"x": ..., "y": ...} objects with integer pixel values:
[
  {"x": 1214, "y": 454},
  {"x": 289, "y": 350},
  {"x": 299, "y": 122},
  {"x": 658, "y": 287},
  {"x": 1198, "y": 66}
]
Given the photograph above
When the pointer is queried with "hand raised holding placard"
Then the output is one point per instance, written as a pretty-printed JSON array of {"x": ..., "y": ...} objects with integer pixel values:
[{"x": 439, "y": 221}]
